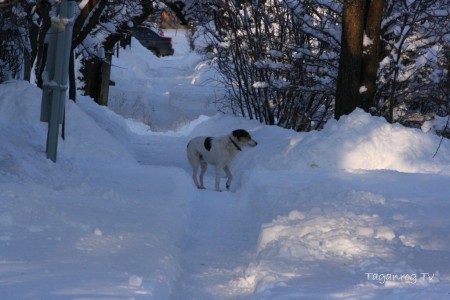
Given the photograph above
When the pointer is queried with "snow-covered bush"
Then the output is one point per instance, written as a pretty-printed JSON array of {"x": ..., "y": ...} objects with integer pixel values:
[
  {"x": 15, "y": 47},
  {"x": 278, "y": 59},
  {"x": 413, "y": 73}
]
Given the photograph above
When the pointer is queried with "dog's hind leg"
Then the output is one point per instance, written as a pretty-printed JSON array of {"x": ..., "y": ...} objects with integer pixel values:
[
  {"x": 229, "y": 176},
  {"x": 203, "y": 165},
  {"x": 194, "y": 160},
  {"x": 218, "y": 170},
  {"x": 194, "y": 174}
]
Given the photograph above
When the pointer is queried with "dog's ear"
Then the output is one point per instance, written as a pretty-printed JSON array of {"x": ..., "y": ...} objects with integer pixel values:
[
  {"x": 244, "y": 137},
  {"x": 240, "y": 133}
]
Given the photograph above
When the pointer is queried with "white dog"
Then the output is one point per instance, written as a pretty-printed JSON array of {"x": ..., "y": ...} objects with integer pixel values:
[{"x": 217, "y": 151}]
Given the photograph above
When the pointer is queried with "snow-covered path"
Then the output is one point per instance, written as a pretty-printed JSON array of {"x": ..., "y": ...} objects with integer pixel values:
[
  {"x": 216, "y": 249},
  {"x": 214, "y": 252},
  {"x": 217, "y": 244}
]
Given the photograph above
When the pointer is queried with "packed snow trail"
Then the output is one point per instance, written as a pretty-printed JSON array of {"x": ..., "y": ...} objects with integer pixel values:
[
  {"x": 216, "y": 249},
  {"x": 217, "y": 244}
]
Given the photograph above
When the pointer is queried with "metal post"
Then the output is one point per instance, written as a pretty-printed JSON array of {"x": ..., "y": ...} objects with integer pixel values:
[{"x": 56, "y": 73}]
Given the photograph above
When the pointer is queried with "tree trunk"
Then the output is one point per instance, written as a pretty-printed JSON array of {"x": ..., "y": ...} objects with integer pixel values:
[
  {"x": 88, "y": 18},
  {"x": 348, "y": 96},
  {"x": 41, "y": 54},
  {"x": 95, "y": 70},
  {"x": 27, "y": 66},
  {"x": 91, "y": 71},
  {"x": 106, "y": 73},
  {"x": 72, "y": 82},
  {"x": 371, "y": 53}
]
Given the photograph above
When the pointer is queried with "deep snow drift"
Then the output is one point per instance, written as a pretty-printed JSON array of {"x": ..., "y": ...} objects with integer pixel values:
[{"x": 358, "y": 210}]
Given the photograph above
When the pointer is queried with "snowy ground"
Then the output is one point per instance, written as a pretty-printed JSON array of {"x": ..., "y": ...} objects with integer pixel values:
[{"x": 358, "y": 210}]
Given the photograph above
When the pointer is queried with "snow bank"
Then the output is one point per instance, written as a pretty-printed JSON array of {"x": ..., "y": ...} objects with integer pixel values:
[
  {"x": 20, "y": 130},
  {"x": 357, "y": 141},
  {"x": 95, "y": 224},
  {"x": 361, "y": 141},
  {"x": 322, "y": 233},
  {"x": 86, "y": 140}
]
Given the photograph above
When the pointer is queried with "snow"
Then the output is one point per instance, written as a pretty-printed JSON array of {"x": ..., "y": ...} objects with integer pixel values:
[
  {"x": 83, "y": 3},
  {"x": 358, "y": 210},
  {"x": 260, "y": 85},
  {"x": 367, "y": 41}
]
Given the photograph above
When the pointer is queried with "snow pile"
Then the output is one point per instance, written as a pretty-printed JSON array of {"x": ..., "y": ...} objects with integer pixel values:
[
  {"x": 19, "y": 131},
  {"x": 20, "y": 118},
  {"x": 96, "y": 223},
  {"x": 357, "y": 141},
  {"x": 323, "y": 232},
  {"x": 320, "y": 236},
  {"x": 360, "y": 141}
]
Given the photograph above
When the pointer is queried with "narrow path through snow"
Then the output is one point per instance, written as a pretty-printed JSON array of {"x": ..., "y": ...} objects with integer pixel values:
[
  {"x": 215, "y": 252},
  {"x": 217, "y": 245}
]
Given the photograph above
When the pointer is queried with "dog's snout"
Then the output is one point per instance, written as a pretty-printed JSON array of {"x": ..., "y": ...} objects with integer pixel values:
[{"x": 253, "y": 143}]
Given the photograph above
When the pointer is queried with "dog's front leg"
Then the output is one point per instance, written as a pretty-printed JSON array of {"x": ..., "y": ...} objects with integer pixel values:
[
  {"x": 218, "y": 170},
  {"x": 229, "y": 176}
]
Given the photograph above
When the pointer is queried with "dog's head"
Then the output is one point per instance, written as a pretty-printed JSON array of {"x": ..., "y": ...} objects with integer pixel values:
[{"x": 244, "y": 138}]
